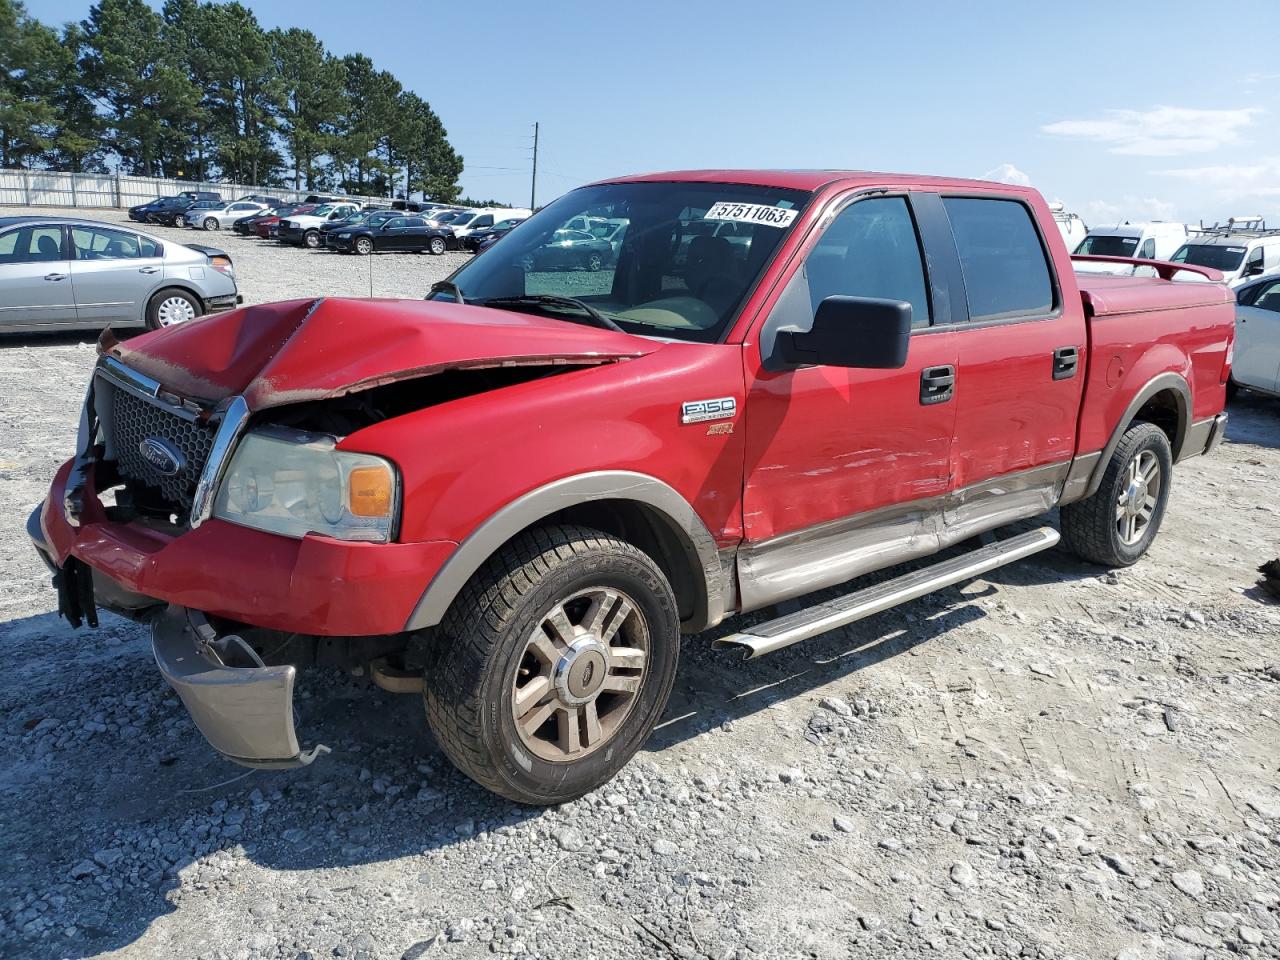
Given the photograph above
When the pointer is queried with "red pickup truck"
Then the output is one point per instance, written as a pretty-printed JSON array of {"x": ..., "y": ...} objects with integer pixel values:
[{"x": 517, "y": 495}]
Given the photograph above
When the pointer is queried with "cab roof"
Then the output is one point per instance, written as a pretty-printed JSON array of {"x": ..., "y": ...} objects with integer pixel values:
[{"x": 811, "y": 180}]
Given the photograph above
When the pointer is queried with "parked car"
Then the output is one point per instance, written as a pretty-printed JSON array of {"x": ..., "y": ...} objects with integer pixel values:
[
  {"x": 369, "y": 218},
  {"x": 268, "y": 226},
  {"x": 190, "y": 213},
  {"x": 225, "y": 215},
  {"x": 143, "y": 212},
  {"x": 442, "y": 480},
  {"x": 487, "y": 236},
  {"x": 263, "y": 199},
  {"x": 303, "y": 229},
  {"x": 1256, "y": 364},
  {"x": 400, "y": 234},
  {"x": 65, "y": 272},
  {"x": 570, "y": 250},
  {"x": 1240, "y": 253},
  {"x": 194, "y": 195},
  {"x": 247, "y": 225},
  {"x": 1154, "y": 240},
  {"x": 484, "y": 220}
]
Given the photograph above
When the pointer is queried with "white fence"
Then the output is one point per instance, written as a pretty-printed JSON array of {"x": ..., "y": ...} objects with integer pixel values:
[{"x": 47, "y": 188}]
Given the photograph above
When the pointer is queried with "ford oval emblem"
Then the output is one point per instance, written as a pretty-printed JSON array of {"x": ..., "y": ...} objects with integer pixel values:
[{"x": 162, "y": 456}]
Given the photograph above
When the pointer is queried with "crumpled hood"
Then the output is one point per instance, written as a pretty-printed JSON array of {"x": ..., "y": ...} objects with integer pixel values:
[{"x": 300, "y": 350}]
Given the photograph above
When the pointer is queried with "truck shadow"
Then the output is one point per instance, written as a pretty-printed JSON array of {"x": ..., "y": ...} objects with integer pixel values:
[
  {"x": 1254, "y": 419},
  {"x": 154, "y": 805}
]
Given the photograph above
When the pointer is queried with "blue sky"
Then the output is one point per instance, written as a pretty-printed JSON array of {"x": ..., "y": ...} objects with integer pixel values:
[{"x": 1119, "y": 109}]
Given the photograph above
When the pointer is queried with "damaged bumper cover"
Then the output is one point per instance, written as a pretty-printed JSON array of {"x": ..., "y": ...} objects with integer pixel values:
[{"x": 245, "y": 712}]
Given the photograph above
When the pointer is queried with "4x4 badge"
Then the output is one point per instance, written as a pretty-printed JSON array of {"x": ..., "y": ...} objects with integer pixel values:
[{"x": 697, "y": 411}]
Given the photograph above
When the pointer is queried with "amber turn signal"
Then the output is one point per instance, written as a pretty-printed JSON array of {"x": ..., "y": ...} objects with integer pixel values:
[{"x": 369, "y": 491}]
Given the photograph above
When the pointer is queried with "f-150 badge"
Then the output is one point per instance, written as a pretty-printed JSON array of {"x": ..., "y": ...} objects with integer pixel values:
[{"x": 698, "y": 411}]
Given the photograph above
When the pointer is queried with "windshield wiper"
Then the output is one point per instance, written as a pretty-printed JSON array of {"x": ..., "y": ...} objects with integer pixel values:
[
  {"x": 597, "y": 318},
  {"x": 443, "y": 285}
]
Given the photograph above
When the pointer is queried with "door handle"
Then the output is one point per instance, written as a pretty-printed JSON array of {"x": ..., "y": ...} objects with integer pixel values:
[
  {"x": 1065, "y": 362},
  {"x": 55, "y": 276},
  {"x": 937, "y": 384},
  {"x": 148, "y": 269}
]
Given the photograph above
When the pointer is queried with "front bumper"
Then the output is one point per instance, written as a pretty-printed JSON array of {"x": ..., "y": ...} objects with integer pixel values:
[
  {"x": 220, "y": 304},
  {"x": 316, "y": 585},
  {"x": 245, "y": 712}
]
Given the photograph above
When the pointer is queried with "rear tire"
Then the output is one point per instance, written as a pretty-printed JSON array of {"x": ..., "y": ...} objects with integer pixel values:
[
  {"x": 437, "y": 246},
  {"x": 311, "y": 238},
  {"x": 172, "y": 306},
  {"x": 211, "y": 223},
  {"x": 1117, "y": 524},
  {"x": 553, "y": 664}
]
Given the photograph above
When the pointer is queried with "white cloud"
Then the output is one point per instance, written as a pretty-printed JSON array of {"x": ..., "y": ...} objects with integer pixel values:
[
  {"x": 1161, "y": 132},
  {"x": 1099, "y": 213},
  {"x": 1007, "y": 173},
  {"x": 1230, "y": 174}
]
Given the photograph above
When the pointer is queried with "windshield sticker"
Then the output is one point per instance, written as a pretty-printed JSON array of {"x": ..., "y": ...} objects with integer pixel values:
[{"x": 751, "y": 213}]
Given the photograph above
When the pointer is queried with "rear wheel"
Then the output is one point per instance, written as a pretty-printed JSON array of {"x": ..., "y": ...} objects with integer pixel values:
[
  {"x": 1116, "y": 525},
  {"x": 364, "y": 246},
  {"x": 437, "y": 245},
  {"x": 595, "y": 261},
  {"x": 172, "y": 306},
  {"x": 311, "y": 238},
  {"x": 211, "y": 223},
  {"x": 553, "y": 664}
]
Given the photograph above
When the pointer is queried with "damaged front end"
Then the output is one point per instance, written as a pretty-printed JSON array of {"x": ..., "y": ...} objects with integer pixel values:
[{"x": 243, "y": 707}]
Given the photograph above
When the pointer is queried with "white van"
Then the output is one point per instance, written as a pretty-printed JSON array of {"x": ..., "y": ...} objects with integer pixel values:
[
  {"x": 464, "y": 225},
  {"x": 1242, "y": 253},
  {"x": 1072, "y": 228},
  {"x": 1153, "y": 240}
]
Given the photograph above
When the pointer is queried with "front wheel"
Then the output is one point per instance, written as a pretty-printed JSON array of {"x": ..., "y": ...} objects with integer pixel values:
[
  {"x": 172, "y": 306},
  {"x": 364, "y": 246},
  {"x": 1116, "y": 525},
  {"x": 553, "y": 664}
]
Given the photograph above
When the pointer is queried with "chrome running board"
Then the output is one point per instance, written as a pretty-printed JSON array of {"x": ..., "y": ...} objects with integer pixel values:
[{"x": 773, "y": 635}]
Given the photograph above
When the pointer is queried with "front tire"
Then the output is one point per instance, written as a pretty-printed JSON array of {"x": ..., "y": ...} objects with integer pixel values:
[
  {"x": 553, "y": 665},
  {"x": 172, "y": 306},
  {"x": 1117, "y": 524},
  {"x": 364, "y": 246}
]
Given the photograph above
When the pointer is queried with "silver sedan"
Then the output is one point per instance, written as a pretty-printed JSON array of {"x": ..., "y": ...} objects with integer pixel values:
[
  {"x": 62, "y": 272},
  {"x": 218, "y": 217}
]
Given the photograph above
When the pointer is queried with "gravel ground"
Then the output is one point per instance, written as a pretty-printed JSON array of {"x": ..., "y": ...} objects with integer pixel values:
[{"x": 1052, "y": 761}]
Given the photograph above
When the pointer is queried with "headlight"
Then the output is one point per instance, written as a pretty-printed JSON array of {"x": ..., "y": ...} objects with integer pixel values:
[{"x": 297, "y": 483}]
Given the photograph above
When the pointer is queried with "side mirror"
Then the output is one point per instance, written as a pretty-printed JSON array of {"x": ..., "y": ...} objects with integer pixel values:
[{"x": 856, "y": 332}]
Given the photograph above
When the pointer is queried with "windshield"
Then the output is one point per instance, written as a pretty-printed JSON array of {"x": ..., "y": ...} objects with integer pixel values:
[
  {"x": 1104, "y": 246},
  {"x": 1210, "y": 255},
  {"x": 462, "y": 219},
  {"x": 666, "y": 273}
]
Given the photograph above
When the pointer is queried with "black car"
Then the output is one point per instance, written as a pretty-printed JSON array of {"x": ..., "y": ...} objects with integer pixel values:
[
  {"x": 365, "y": 218},
  {"x": 143, "y": 212},
  {"x": 571, "y": 250},
  {"x": 400, "y": 233},
  {"x": 483, "y": 239}
]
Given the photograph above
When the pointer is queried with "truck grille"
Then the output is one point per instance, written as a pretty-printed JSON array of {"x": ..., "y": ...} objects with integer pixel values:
[{"x": 134, "y": 422}]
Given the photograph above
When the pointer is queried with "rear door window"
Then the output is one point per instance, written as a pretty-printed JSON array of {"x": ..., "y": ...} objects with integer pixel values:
[{"x": 1005, "y": 268}]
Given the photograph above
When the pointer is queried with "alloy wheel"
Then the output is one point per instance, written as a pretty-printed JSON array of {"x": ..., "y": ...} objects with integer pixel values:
[
  {"x": 580, "y": 674},
  {"x": 1139, "y": 494}
]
